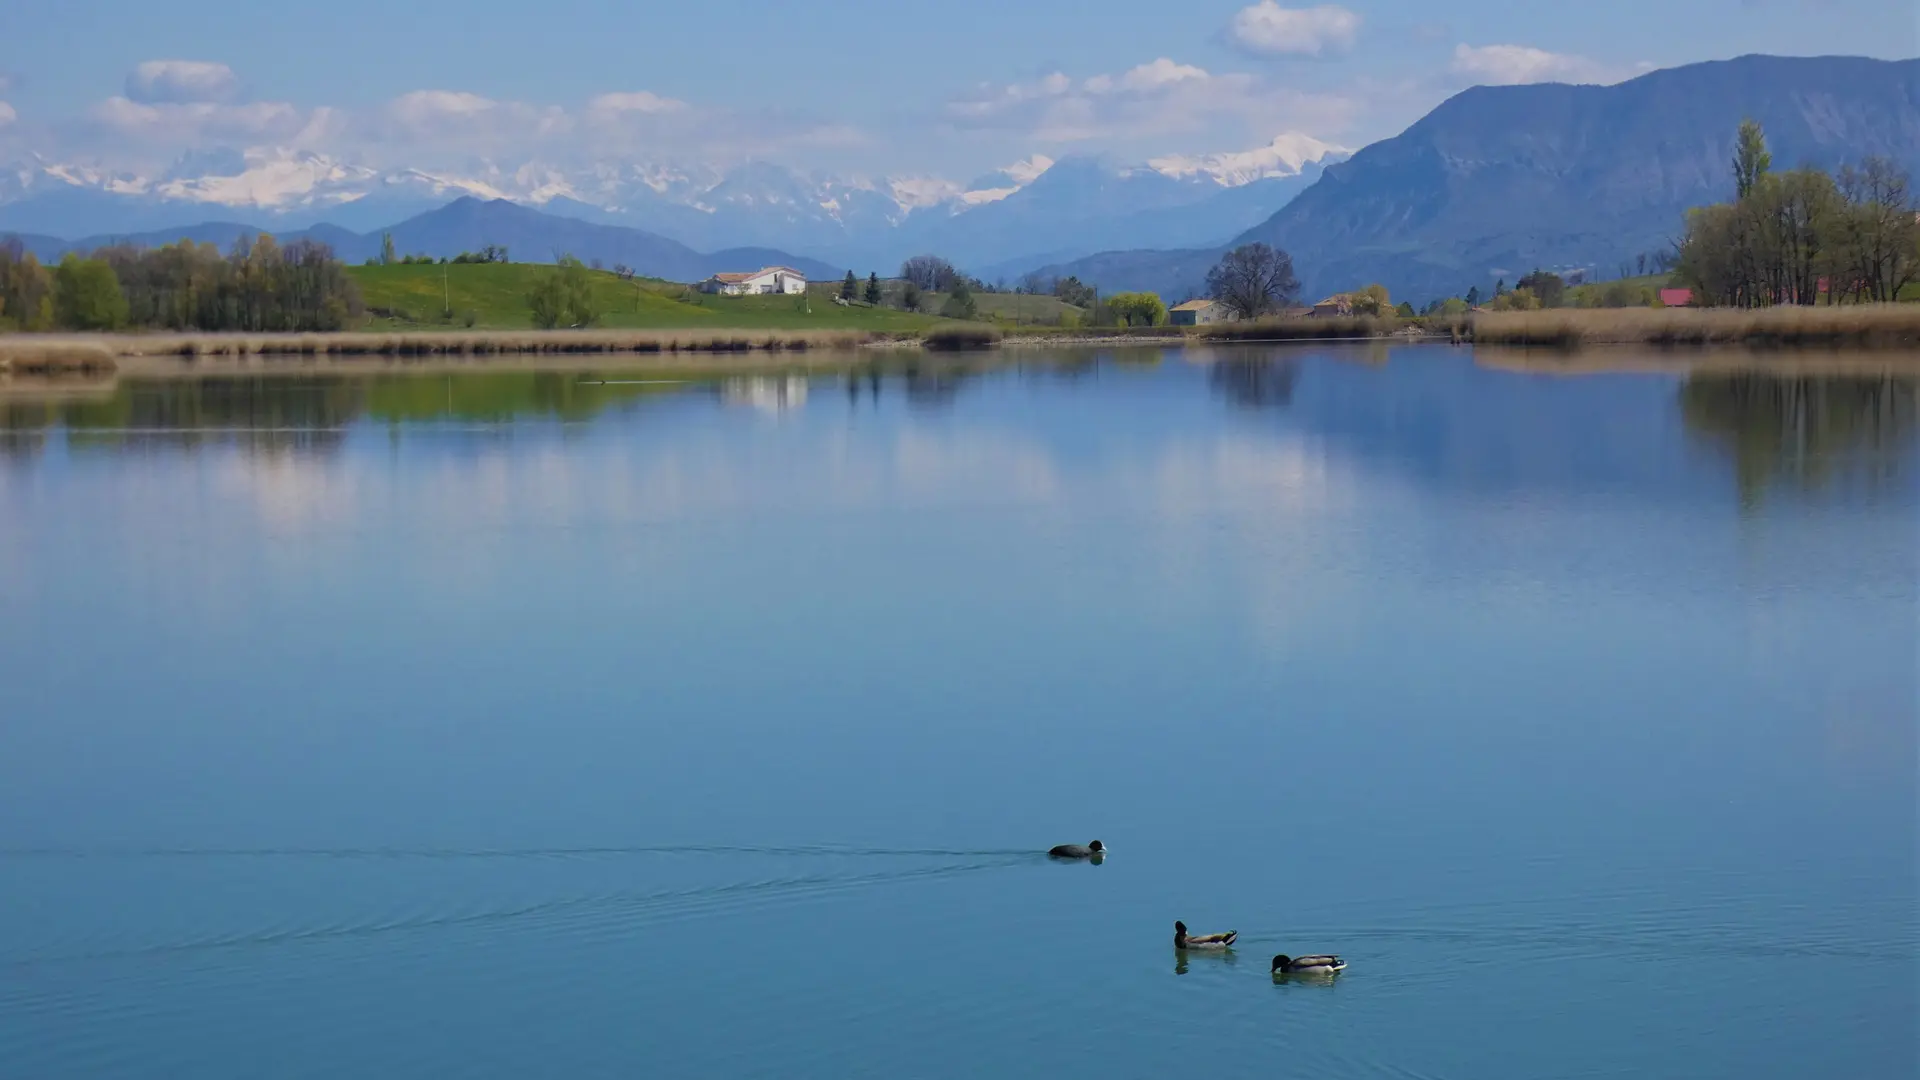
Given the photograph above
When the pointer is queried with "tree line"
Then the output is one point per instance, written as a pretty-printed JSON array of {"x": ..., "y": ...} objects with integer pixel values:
[
  {"x": 256, "y": 286},
  {"x": 1791, "y": 237}
]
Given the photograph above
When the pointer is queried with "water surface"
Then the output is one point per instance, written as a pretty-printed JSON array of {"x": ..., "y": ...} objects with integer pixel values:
[{"x": 582, "y": 724}]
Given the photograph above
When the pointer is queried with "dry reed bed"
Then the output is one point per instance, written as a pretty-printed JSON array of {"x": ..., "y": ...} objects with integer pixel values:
[
  {"x": 491, "y": 343},
  {"x": 1346, "y": 327},
  {"x": 28, "y": 356},
  {"x": 1849, "y": 326},
  {"x": 961, "y": 336}
]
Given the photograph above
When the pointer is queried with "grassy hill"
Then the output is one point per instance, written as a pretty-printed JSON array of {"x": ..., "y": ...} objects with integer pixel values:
[{"x": 494, "y": 296}]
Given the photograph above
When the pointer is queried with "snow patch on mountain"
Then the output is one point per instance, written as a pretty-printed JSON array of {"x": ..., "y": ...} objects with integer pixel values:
[
  {"x": 1286, "y": 155},
  {"x": 272, "y": 181}
]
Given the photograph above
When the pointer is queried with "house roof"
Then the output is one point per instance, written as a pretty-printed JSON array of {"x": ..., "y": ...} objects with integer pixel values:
[
  {"x": 1676, "y": 297},
  {"x": 1193, "y": 305},
  {"x": 1338, "y": 299}
]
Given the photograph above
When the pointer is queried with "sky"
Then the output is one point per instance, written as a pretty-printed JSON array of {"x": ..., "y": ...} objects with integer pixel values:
[{"x": 862, "y": 87}]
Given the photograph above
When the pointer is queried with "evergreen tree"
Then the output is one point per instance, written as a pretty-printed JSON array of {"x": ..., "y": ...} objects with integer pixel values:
[
  {"x": 1473, "y": 297},
  {"x": 386, "y": 249},
  {"x": 873, "y": 289},
  {"x": 849, "y": 287}
]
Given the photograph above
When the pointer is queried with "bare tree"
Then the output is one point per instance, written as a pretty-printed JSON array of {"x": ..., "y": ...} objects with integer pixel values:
[
  {"x": 930, "y": 272},
  {"x": 1253, "y": 280},
  {"x": 1881, "y": 247}
]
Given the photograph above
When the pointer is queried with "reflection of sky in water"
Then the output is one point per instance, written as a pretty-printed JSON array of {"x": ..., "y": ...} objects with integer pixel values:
[{"x": 1518, "y": 665}]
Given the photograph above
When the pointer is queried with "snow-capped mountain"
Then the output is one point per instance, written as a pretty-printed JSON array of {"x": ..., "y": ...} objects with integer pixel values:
[
  {"x": 1287, "y": 155},
  {"x": 1032, "y": 207}
]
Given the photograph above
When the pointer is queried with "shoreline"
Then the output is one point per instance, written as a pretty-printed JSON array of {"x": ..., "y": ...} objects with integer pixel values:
[
  {"x": 1864, "y": 326},
  {"x": 696, "y": 367}
]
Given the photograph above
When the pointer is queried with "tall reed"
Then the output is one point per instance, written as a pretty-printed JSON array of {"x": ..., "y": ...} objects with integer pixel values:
[
  {"x": 1304, "y": 329},
  {"x": 480, "y": 343},
  {"x": 20, "y": 355},
  {"x": 962, "y": 336},
  {"x": 1846, "y": 325}
]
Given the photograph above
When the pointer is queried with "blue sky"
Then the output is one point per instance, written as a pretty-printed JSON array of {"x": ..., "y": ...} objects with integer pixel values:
[{"x": 856, "y": 85}]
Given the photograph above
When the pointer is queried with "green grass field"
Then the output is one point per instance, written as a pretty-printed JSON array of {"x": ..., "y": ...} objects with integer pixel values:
[
  {"x": 1014, "y": 309},
  {"x": 495, "y": 294}
]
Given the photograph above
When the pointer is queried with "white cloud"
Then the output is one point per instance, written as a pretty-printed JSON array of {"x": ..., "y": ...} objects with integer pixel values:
[
  {"x": 452, "y": 124},
  {"x": 1147, "y": 77},
  {"x": 1509, "y": 65},
  {"x": 1267, "y": 29},
  {"x": 180, "y": 82},
  {"x": 642, "y": 101},
  {"x": 1156, "y": 99},
  {"x": 425, "y": 108},
  {"x": 208, "y": 123},
  {"x": 996, "y": 100},
  {"x": 7, "y": 115}
]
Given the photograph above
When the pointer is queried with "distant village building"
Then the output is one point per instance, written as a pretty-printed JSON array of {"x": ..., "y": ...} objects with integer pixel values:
[
  {"x": 771, "y": 395},
  {"x": 1676, "y": 297},
  {"x": 1333, "y": 306},
  {"x": 1198, "y": 313},
  {"x": 770, "y": 279}
]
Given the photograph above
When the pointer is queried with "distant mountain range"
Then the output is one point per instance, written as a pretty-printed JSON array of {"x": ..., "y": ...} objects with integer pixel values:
[
  {"x": 1033, "y": 211},
  {"x": 1500, "y": 180},
  {"x": 1493, "y": 183},
  {"x": 469, "y": 224}
]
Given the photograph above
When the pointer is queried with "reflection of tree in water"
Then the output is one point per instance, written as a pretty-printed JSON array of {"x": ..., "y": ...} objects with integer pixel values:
[
  {"x": 23, "y": 429},
  {"x": 1805, "y": 432},
  {"x": 310, "y": 412},
  {"x": 1254, "y": 384},
  {"x": 935, "y": 385},
  {"x": 257, "y": 413}
]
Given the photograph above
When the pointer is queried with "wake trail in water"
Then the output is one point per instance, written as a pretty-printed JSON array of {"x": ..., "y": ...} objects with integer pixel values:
[
  {"x": 1669, "y": 942},
  {"x": 644, "y": 907},
  {"x": 797, "y": 851}
]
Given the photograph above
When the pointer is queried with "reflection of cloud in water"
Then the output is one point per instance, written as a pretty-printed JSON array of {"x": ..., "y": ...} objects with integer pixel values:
[
  {"x": 1217, "y": 501},
  {"x": 292, "y": 491}
]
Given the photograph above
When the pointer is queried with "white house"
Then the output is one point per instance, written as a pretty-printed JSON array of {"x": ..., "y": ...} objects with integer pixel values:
[
  {"x": 1198, "y": 313},
  {"x": 770, "y": 279}
]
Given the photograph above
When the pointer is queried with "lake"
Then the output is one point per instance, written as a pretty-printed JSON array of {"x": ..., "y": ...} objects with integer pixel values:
[{"x": 509, "y": 724}]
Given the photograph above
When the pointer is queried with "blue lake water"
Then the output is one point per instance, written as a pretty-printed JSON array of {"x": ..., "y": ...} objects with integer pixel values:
[{"x": 577, "y": 724}]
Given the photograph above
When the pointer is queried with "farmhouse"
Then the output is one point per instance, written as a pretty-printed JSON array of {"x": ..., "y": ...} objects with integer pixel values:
[
  {"x": 1198, "y": 313},
  {"x": 1334, "y": 306},
  {"x": 769, "y": 279}
]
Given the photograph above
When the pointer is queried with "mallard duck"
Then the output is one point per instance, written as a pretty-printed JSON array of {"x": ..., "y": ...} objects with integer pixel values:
[
  {"x": 1184, "y": 940},
  {"x": 1075, "y": 851},
  {"x": 1323, "y": 964}
]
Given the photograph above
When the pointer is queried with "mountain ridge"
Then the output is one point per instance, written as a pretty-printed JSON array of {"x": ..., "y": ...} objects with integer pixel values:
[
  {"x": 1497, "y": 181},
  {"x": 846, "y": 220},
  {"x": 469, "y": 224}
]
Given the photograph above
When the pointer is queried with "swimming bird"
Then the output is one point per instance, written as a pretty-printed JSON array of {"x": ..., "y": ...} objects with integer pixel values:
[
  {"x": 1184, "y": 940},
  {"x": 1324, "y": 964},
  {"x": 1075, "y": 851}
]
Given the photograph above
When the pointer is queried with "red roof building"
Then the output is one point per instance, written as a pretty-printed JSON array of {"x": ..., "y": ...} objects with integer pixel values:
[{"x": 1676, "y": 297}]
